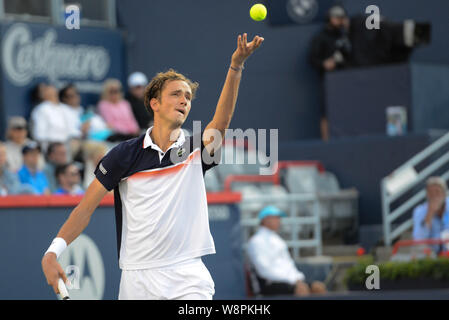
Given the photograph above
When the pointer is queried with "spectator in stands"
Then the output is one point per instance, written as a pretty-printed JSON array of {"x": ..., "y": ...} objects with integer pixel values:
[
  {"x": 37, "y": 96},
  {"x": 69, "y": 96},
  {"x": 93, "y": 154},
  {"x": 16, "y": 136},
  {"x": 431, "y": 218},
  {"x": 30, "y": 173},
  {"x": 117, "y": 112},
  {"x": 137, "y": 82},
  {"x": 9, "y": 182},
  {"x": 56, "y": 156},
  {"x": 51, "y": 120},
  {"x": 68, "y": 177},
  {"x": 269, "y": 256},
  {"x": 330, "y": 50},
  {"x": 38, "y": 93}
]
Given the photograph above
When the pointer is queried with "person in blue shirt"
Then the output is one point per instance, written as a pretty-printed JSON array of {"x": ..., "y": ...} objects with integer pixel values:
[
  {"x": 30, "y": 174},
  {"x": 432, "y": 217},
  {"x": 68, "y": 178},
  {"x": 9, "y": 182}
]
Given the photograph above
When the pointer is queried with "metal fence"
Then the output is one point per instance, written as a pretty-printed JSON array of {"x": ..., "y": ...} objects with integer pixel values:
[{"x": 403, "y": 181}]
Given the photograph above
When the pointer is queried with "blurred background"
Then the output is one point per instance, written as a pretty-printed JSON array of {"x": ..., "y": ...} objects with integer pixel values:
[{"x": 362, "y": 115}]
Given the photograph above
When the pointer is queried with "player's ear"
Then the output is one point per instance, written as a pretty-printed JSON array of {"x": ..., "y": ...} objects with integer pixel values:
[{"x": 154, "y": 104}]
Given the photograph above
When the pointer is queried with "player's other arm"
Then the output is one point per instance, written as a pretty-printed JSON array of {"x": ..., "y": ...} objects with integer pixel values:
[
  {"x": 72, "y": 228},
  {"x": 228, "y": 97}
]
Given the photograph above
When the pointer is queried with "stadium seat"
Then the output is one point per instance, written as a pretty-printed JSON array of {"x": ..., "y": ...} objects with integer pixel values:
[
  {"x": 302, "y": 179},
  {"x": 248, "y": 190},
  {"x": 327, "y": 183},
  {"x": 278, "y": 191}
]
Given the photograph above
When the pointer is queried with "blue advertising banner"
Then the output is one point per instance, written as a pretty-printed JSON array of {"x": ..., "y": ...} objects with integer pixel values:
[
  {"x": 33, "y": 53},
  {"x": 91, "y": 260}
]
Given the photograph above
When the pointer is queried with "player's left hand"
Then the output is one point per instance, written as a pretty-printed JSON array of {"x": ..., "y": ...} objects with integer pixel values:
[{"x": 245, "y": 49}]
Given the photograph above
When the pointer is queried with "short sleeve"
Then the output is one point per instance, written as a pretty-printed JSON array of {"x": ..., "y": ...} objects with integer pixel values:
[{"x": 114, "y": 166}]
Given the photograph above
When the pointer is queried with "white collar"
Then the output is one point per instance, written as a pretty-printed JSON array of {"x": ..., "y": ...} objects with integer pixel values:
[{"x": 148, "y": 142}]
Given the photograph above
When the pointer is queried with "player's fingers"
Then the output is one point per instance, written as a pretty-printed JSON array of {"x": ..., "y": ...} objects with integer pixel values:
[
  {"x": 63, "y": 276},
  {"x": 239, "y": 40},
  {"x": 54, "y": 284},
  {"x": 245, "y": 40},
  {"x": 252, "y": 43},
  {"x": 256, "y": 42}
]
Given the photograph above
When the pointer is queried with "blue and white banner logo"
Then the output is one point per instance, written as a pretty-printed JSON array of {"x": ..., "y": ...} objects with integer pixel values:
[{"x": 302, "y": 11}]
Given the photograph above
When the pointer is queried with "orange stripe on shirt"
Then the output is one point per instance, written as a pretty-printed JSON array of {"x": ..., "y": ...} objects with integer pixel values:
[{"x": 165, "y": 171}]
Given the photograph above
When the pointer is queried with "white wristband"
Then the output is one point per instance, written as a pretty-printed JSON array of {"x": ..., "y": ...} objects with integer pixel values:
[{"x": 57, "y": 246}]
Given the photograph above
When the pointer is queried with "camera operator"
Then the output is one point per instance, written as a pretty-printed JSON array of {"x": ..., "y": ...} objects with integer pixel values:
[{"x": 331, "y": 48}]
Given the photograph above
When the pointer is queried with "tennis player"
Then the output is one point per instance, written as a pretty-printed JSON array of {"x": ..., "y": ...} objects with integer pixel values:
[{"x": 159, "y": 193}]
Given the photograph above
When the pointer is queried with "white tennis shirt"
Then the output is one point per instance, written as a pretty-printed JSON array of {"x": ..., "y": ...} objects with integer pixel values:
[{"x": 160, "y": 201}]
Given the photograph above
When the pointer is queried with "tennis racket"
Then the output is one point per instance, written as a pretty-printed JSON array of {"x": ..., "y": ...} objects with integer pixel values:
[{"x": 63, "y": 293}]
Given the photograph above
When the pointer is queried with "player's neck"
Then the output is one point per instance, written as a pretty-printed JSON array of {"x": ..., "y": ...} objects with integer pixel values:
[{"x": 160, "y": 135}]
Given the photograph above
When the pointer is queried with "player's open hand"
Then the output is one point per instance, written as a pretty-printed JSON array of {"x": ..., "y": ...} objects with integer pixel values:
[{"x": 245, "y": 49}]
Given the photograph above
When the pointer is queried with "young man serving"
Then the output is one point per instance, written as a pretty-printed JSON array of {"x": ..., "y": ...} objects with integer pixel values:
[{"x": 160, "y": 197}]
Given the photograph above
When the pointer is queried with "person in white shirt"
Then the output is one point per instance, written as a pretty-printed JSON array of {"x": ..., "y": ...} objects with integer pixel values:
[
  {"x": 71, "y": 98},
  {"x": 51, "y": 120},
  {"x": 269, "y": 256}
]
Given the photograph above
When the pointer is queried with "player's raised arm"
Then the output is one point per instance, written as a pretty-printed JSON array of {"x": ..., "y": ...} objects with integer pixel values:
[
  {"x": 72, "y": 228},
  {"x": 228, "y": 97}
]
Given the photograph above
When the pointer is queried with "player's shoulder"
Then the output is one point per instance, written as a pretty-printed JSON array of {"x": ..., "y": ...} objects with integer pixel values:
[{"x": 127, "y": 150}]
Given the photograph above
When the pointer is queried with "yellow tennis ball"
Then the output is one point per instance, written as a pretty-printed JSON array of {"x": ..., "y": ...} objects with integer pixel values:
[{"x": 258, "y": 12}]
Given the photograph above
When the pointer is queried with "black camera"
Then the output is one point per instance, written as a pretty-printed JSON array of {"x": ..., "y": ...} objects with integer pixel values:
[{"x": 393, "y": 42}]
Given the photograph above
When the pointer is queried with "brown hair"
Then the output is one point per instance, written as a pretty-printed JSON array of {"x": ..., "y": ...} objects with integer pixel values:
[{"x": 154, "y": 88}]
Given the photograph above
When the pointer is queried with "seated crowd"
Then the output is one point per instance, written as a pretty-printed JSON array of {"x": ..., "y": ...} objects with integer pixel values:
[{"x": 58, "y": 148}]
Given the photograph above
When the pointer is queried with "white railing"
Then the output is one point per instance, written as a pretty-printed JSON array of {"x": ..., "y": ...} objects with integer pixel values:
[{"x": 403, "y": 180}]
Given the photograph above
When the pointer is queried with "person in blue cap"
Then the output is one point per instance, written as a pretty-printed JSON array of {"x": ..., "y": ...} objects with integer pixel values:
[{"x": 274, "y": 267}]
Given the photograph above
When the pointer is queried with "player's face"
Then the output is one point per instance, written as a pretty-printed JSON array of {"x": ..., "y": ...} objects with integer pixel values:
[{"x": 175, "y": 103}]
